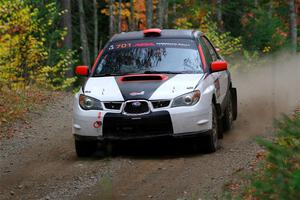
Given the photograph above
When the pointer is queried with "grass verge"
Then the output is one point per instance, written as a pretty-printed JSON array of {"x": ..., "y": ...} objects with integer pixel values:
[{"x": 277, "y": 174}]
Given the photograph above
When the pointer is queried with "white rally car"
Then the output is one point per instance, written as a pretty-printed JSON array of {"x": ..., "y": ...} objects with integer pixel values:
[{"x": 154, "y": 83}]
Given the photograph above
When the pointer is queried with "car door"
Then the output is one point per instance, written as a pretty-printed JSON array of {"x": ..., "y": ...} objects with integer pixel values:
[{"x": 222, "y": 76}]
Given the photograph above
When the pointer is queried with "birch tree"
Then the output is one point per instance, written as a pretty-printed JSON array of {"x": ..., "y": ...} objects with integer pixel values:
[
  {"x": 67, "y": 23},
  {"x": 293, "y": 25},
  {"x": 219, "y": 15},
  {"x": 83, "y": 35},
  {"x": 149, "y": 13},
  {"x": 95, "y": 28},
  {"x": 166, "y": 14},
  {"x": 120, "y": 17},
  {"x": 111, "y": 18},
  {"x": 160, "y": 13},
  {"x": 132, "y": 21}
]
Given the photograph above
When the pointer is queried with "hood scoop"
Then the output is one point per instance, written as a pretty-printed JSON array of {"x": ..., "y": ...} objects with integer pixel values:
[{"x": 144, "y": 77}]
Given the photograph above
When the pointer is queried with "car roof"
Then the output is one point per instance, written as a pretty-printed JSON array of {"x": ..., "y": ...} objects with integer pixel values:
[{"x": 164, "y": 34}]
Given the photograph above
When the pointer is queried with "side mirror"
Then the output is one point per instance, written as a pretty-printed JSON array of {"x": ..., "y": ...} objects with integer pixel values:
[
  {"x": 82, "y": 70},
  {"x": 220, "y": 65}
]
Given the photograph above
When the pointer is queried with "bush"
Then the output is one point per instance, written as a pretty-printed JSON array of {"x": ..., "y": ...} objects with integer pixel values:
[
  {"x": 227, "y": 44},
  {"x": 278, "y": 176},
  {"x": 262, "y": 32},
  {"x": 30, "y": 51}
]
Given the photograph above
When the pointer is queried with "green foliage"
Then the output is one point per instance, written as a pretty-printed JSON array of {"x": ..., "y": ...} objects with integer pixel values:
[
  {"x": 227, "y": 44},
  {"x": 279, "y": 175},
  {"x": 30, "y": 52},
  {"x": 263, "y": 32}
]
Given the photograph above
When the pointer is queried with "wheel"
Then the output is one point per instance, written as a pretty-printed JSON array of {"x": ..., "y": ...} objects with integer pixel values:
[
  {"x": 85, "y": 148},
  {"x": 228, "y": 115},
  {"x": 212, "y": 139}
]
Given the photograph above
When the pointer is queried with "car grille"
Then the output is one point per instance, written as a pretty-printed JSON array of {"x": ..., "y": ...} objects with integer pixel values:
[
  {"x": 160, "y": 104},
  {"x": 113, "y": 105},
  {"x": 117, "y": 125},
  {"x": 136, "y": 107}
]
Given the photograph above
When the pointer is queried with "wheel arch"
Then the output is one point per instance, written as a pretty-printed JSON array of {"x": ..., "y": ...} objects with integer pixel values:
[{"x": 217, "y": 105}]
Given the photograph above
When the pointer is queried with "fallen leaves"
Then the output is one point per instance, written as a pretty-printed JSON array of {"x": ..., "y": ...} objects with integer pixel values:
[{"x": 15, "y": 104}]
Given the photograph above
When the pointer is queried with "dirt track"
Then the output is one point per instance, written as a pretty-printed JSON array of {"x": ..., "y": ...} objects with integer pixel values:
[{"x": 40, "y": 163}]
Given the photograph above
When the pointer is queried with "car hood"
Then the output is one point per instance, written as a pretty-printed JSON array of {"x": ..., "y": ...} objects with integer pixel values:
[{"x": 116, "y": 89}]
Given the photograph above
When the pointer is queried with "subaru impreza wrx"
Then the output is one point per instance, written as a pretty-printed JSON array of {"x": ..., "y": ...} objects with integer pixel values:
[{"x": 151, "y": 84}]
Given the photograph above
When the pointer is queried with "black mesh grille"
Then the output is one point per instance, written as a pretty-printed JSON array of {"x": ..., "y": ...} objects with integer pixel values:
[
  {"x": 160, "y": 104},
  {"x": 113, "y": 105},
  {"x": 136, "y": 107},
  {"x": 117, "y": 125}
]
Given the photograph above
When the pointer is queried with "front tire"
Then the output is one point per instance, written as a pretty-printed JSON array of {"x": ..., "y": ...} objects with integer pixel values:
[
  {"x": 212, "y": 139},
  {"x": 85, "y": 148}
]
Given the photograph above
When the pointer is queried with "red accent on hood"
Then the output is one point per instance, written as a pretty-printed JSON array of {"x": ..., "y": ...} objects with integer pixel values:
[{"x": 143, "y": 77}]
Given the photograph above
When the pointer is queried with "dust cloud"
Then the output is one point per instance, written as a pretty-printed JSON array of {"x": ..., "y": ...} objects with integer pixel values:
[{"x": 265, "y": 93}]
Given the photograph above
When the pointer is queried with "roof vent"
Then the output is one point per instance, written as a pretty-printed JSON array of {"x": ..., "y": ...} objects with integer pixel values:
[{"x": 153, "y": 32}]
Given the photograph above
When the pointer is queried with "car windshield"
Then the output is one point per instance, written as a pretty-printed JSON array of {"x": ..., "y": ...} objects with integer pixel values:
[{"x": 167, "y": 56}]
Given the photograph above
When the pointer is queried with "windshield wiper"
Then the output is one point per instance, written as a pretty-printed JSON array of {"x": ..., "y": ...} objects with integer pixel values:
[
  {"x": 161, "y": 72},
  {"x": 111, "y": 74},
  {"x": 107, "y": 74}
]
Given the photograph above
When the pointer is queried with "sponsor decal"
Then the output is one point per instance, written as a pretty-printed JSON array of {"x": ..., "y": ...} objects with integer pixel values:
[
  {"x": 98, "y": 123},
  {"x": 137, "y": 93},
  {"x": 163, "y": 44},
  {"x": 173, "y": 44},
  {"x": 145, "y": 44}
]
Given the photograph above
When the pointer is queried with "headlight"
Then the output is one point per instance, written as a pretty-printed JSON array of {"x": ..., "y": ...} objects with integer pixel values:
[
  {"x": 188, "y": 99},
  {"x": 89, "y": 103}
]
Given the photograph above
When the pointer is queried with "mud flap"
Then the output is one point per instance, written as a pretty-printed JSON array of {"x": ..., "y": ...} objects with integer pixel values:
[{"x": 234, "y": 103}]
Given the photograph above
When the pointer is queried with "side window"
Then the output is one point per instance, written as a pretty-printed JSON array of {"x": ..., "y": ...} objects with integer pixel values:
[
  {"x": 211, "y": 49},
  {"x": 206, "y": 53}
]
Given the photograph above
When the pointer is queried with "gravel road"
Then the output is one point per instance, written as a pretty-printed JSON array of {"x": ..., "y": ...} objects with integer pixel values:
[{"x": 40, "y": 162}]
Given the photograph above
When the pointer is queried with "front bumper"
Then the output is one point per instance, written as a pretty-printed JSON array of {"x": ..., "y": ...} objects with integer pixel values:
[
  {"x": 174, "y": 122},
  {"x": 143, "y": 137}
]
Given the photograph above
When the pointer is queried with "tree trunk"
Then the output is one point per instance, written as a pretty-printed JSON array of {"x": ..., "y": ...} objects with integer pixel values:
[
  {"x": 174, "y": 7},
  {"x": 67, "y": 23},
  {"x": 270, "y": 9},
  {"x": 219, "y": 15},
  {"x": 293, "y": 25},
  {"x": 255, "y": 3},
  {"x": 95, "y": 28},
  {"x": 160, "y": 13},
  {"x": 83, "y": 35},
  {"x": 120, "y": 17},
  {"x": 132, "y": 22},
  {"x": 149, "y": 13},
  {"x": 111, "y": 18},
  {"x": 166, "y": 14}
]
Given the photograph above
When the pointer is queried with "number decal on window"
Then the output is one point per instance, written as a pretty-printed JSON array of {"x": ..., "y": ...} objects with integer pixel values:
[
  {"x": 111, "y": 47},
  {"x": 123, "y": 45}
]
